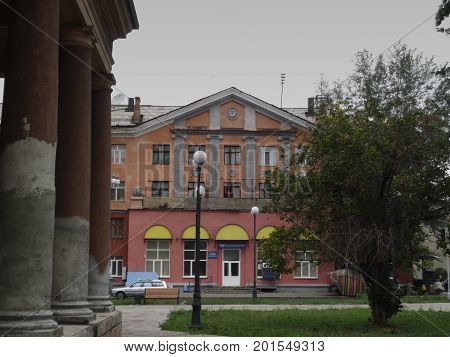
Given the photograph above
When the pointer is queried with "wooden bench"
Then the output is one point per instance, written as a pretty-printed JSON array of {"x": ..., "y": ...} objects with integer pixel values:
[{"x": 163, "y": 293}]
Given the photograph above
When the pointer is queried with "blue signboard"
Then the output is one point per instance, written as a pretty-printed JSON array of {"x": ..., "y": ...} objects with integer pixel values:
[
  {"x": 212, "y": 255},
  {"x": 231, "y": 245}
]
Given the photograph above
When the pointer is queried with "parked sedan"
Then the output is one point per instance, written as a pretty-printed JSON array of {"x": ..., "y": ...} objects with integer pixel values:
[{"x": 138, "y": 288}]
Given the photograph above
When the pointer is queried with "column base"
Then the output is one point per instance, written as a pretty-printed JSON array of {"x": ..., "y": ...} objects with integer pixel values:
[
  {"x": 29, "y": 324},
  {"x": 100, "y": 304},
  {"x": 72, "y": 312}
]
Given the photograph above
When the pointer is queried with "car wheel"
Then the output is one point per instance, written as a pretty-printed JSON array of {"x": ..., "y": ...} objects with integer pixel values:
[{"x": 120, "y": 295}]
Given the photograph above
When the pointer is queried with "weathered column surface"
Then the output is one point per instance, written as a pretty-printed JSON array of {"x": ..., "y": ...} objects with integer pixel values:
[
  {"x": 27, "y": 171},
  {"x": 73, "y": 180},
  {"x": 100, "y": 240}
]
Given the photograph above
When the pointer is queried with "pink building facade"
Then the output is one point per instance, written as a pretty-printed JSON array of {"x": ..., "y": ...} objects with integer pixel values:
[{"x": 152, "y": 203}]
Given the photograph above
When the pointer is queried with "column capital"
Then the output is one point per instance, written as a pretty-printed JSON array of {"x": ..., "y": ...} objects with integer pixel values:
[
  {"x": 285, "y": 138},
  {"x": 77, "y": 36},
  {"x": 249, "y": 137},
  {"x": 214, "y": 137},
  {"x": 179, "y": 136},
  {"x": 103, "y": 81}
]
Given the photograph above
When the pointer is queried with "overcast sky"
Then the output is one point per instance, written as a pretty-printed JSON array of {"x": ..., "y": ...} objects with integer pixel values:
[{"x": 186, "y": 50}]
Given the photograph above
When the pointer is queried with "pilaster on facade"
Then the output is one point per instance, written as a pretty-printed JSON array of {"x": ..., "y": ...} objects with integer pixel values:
[
  {"x": 179, "y": 150},
  {"x": 250, "y": 166},
  {"x": 214, "y": 164},
  {"x": 285, "y": 146}
]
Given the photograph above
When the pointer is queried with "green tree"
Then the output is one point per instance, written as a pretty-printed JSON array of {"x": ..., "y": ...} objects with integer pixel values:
[
  {"x": 443, "y": 13},
  {"x": 377, "y": 181}
]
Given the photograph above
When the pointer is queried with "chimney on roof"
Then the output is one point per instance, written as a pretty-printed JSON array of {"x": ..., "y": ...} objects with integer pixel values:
[
  {"x": 311, "y": 104},
  {"x": 130, "y": 107},
  {"x": 137, "y": 117}
]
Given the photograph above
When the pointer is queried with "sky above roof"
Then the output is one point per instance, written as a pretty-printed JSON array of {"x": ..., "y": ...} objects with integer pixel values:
[{"x": 186, "y": 50}]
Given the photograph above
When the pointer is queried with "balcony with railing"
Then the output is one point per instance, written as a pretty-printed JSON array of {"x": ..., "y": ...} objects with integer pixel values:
[{"x": 208, "y": 204}]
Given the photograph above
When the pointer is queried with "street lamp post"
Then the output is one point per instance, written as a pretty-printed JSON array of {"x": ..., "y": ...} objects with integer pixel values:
[
  {"x": 254, "y": 212},
  {"x": 198, "y": 162}
]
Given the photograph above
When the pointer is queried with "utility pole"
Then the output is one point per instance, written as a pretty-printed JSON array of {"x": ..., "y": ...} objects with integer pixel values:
[{"x": 283, "y": 80}]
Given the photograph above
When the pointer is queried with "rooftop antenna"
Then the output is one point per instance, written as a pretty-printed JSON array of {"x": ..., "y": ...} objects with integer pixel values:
[{"x": 283, "y": 80}]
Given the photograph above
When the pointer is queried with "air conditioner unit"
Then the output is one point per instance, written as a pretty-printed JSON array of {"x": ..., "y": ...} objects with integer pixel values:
[{"x": 137, "y": 192}]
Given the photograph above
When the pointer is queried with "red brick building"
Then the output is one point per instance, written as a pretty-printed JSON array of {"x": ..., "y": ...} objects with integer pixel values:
[{"x": 153, "y": 206}]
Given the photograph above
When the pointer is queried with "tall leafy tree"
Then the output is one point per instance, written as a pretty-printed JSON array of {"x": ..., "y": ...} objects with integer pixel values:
[
  {"x": 376, "y": 182},
  {"x": 443, "y": 13}
]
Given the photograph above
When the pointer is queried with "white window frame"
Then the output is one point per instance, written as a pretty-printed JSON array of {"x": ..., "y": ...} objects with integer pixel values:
[
  {"x": 157, "y": 259},
  {"x": 118, "y": 152},
  {"x": 300, "y": 262},
  {"x": 121, "y": 186},
  {"x": 116, "y": 262},
  {"x": 268, "y": 151},
  {"x": 192, "y": 261}
]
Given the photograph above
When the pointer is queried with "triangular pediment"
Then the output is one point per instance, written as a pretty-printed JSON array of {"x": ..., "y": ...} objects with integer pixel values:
[{"x": 217, "y": 112}]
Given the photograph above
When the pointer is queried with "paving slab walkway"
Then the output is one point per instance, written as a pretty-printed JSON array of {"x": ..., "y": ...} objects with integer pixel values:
[{"x": 145, "y": 320}]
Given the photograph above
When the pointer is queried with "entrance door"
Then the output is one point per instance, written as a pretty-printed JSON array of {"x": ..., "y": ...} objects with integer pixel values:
[{"x": 231, "y": 267}]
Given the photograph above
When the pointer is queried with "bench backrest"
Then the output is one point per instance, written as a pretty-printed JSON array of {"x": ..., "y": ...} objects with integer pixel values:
[{"x": 163, "y": 293}]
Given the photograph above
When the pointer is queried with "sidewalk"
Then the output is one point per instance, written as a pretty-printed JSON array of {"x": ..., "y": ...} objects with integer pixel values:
[{"x": 144, "y": 320}]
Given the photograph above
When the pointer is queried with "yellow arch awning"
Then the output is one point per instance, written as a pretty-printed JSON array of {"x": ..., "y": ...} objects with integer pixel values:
[
  {"x": 264, "y": 232},
  {"x": 232, "y": 232},
  {"x": 189, "y": 233},
  {"x": 158, "y": 232}
]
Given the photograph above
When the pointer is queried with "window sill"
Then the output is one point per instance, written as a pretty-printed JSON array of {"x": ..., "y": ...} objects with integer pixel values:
[
  {"x": 192, "y": 277},
  {"x": 306, "y": 278},
  {"x": 118, "y": 201}
]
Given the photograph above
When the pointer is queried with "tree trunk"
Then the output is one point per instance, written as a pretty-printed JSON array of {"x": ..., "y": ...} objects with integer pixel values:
[
  {"x": 383, "y": 300},
  {"x": 379, "y": 315}
]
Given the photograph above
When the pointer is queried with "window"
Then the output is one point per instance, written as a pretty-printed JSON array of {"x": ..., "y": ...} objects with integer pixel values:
[
  {"x": 189, "y": 258},
  {"x": 117, "y": 228},
  {"x": 192, "y": 186},
  {"x": 116, "y": 266},
  {"x": 118, "y": 192},
  {"x": 267, "y": 156},
  {"x": 192, "y": 149},
  {"x": 161, "y": 154},
  {"x": 232, "y": 155},
  {"x": 300, "y": 150},
  {"x": 231, "y": 190},
  {"x": 264, "y": 190},
  {"x": 158, "y": 257},
  {"x": 305, "y": 266},
  {"x": 160, "y": 189},
  {"x": 117, "y": 154}
]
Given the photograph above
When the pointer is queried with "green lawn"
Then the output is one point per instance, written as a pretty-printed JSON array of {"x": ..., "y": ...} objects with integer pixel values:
[
  {"x": 287, "y": 301},
  {"x": 296, "y": 323}
]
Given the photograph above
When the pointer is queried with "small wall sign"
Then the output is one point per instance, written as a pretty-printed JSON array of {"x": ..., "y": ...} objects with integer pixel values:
[
  {"x": 231, "y": 245},
  {"x": 212, "y": 255}
]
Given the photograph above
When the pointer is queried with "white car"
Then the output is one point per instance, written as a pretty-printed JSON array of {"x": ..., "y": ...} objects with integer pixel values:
[{"x": 138, "y": 288}]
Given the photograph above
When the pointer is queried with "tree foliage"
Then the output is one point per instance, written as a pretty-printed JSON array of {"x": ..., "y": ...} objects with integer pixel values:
[
  {"x": 377, "y": 181},
  {"x": 443, "y": 13}
]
